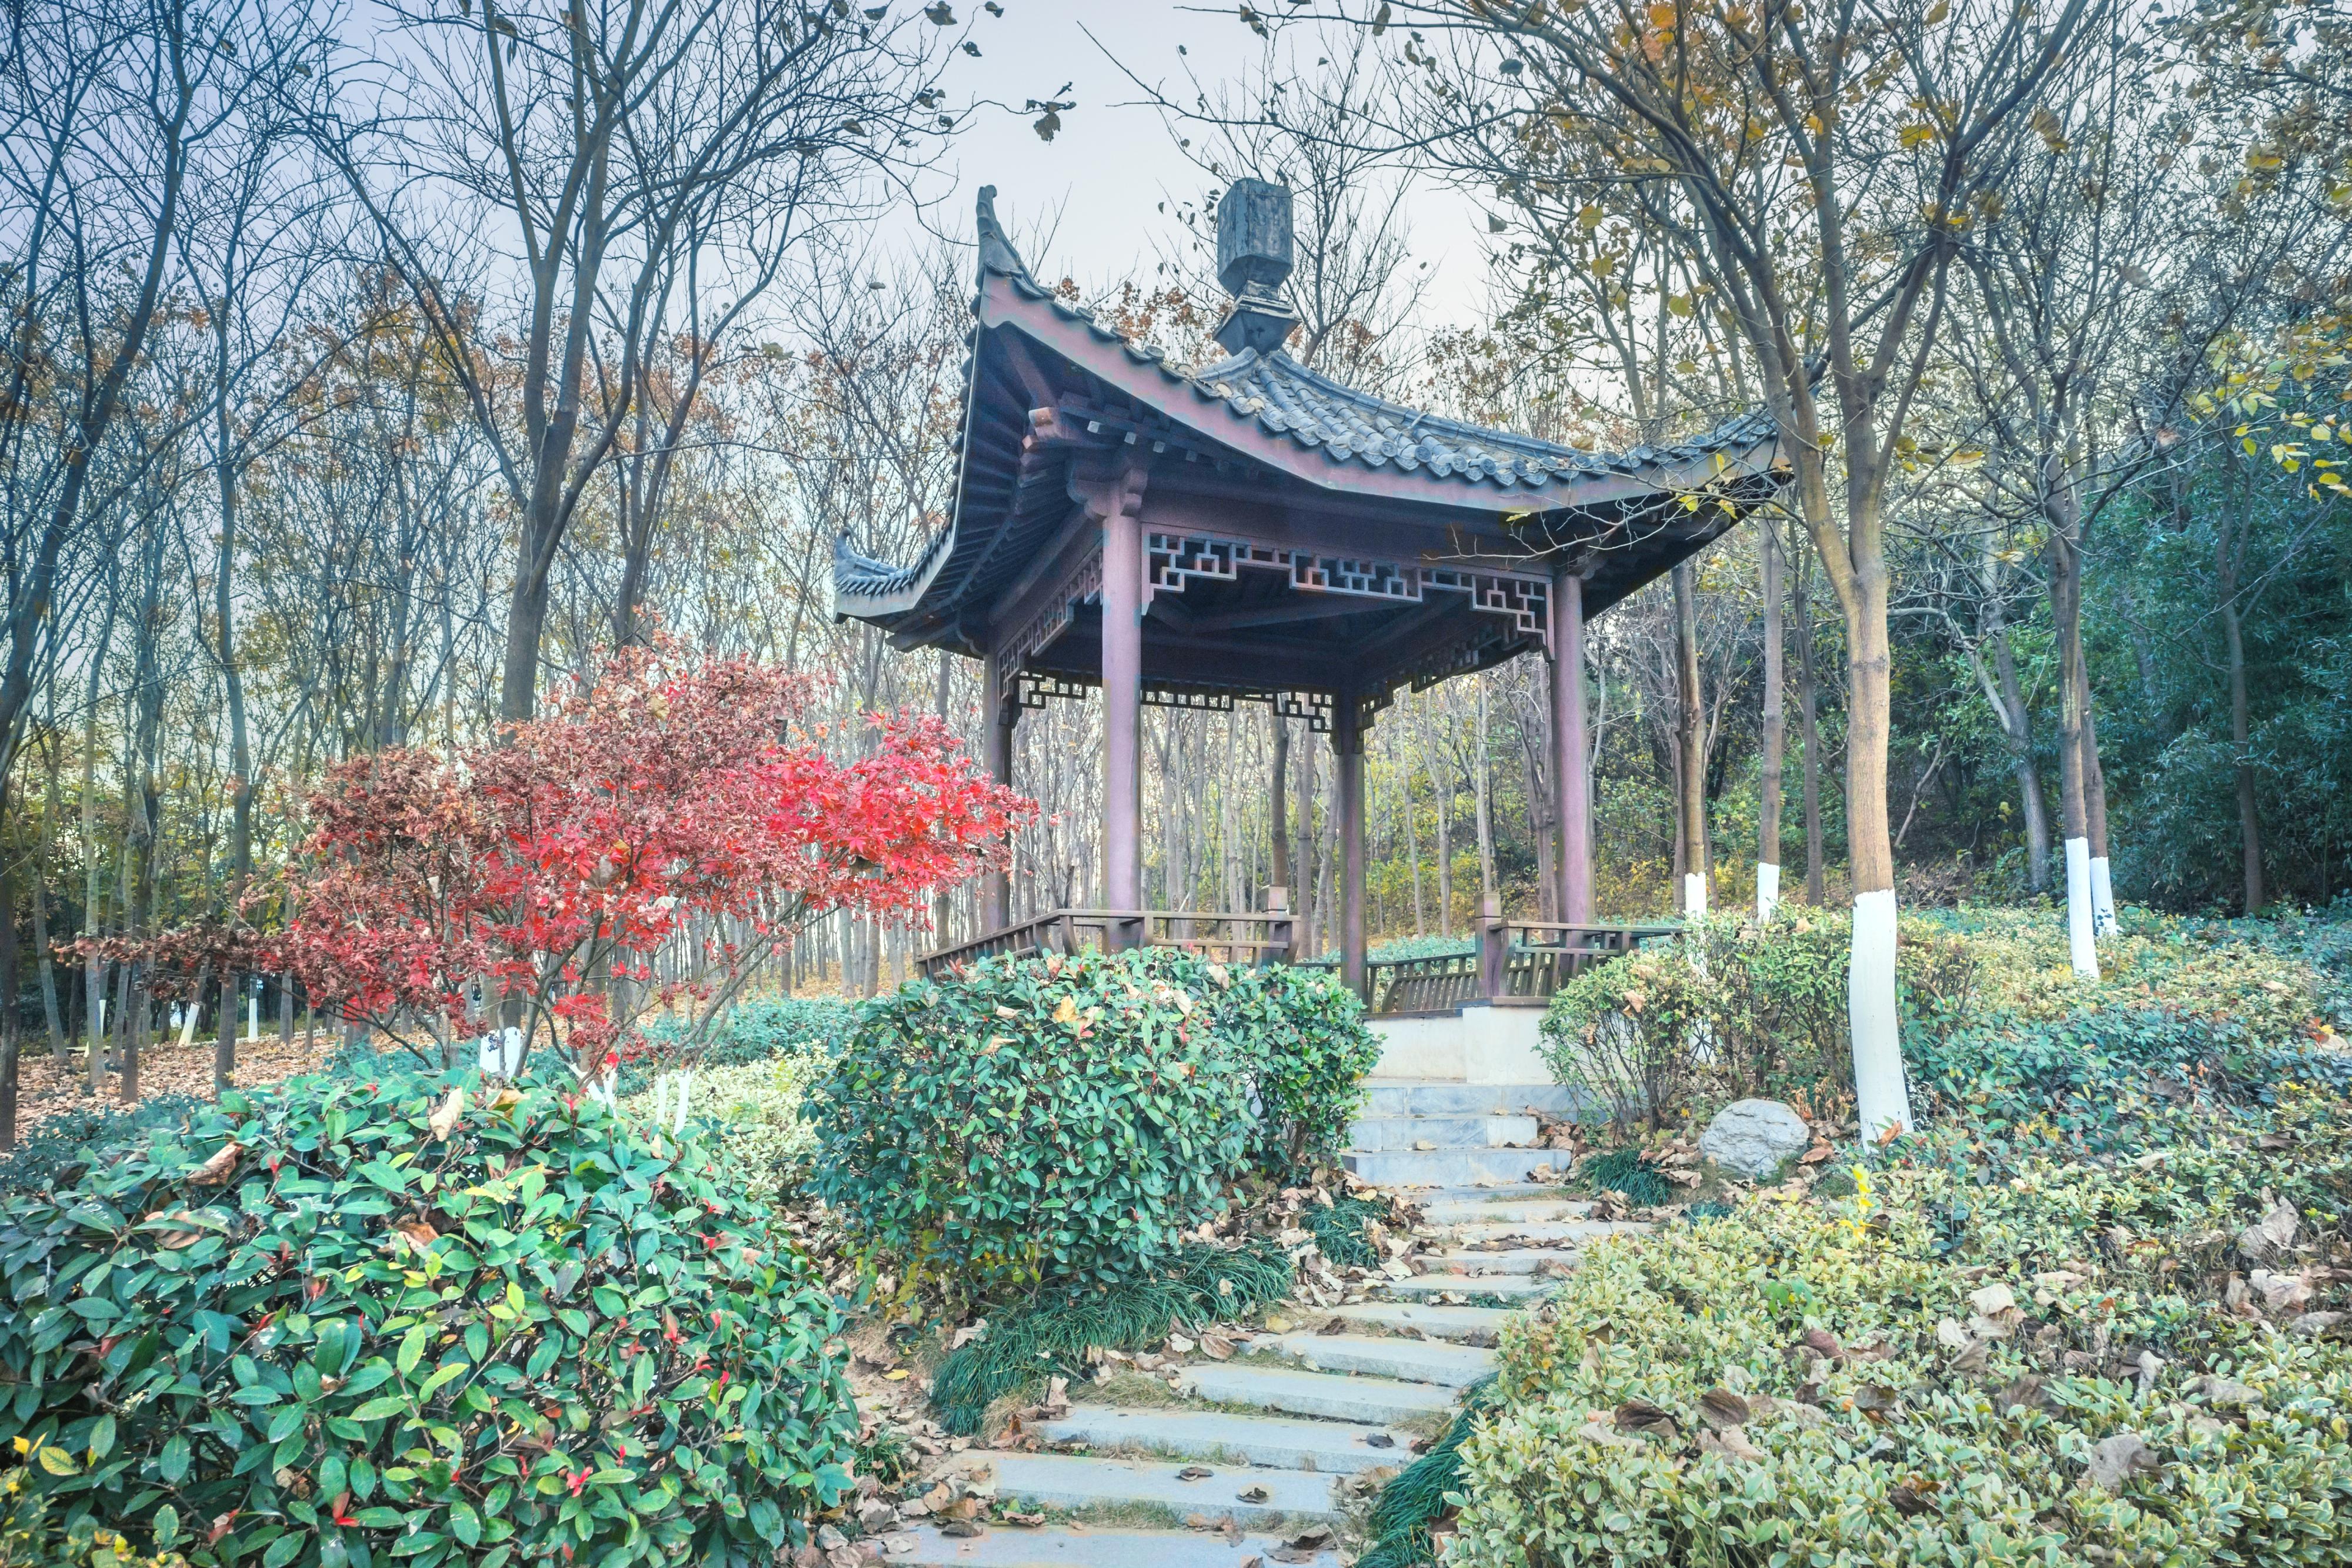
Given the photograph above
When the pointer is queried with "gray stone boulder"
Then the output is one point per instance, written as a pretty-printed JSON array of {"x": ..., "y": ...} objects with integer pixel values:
[{"x": 1750, "y": 1138}]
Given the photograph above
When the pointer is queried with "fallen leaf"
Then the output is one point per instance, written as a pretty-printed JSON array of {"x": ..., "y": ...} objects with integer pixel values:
[
  {"x": 1253, "y": 1494},
  {"x": 1911, "y": 1497},
  {"x": 1722, "y": 1409},
  {"x": 1195, "y": 1473},
  {"x": 444, "y": 1120},
  {"x": 416, "y": 1235},
  {"x": 2116, "y": 1460},
  {"x": 216, "y": 1170},
  {"x": 1639, "y": 1416}
]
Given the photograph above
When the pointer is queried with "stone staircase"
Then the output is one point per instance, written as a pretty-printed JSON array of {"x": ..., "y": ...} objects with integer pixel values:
[{"x": 1253, "y": 1457}]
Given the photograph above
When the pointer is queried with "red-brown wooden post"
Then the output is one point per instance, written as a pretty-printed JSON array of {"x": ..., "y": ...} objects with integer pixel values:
[
  {"x": 1000, "y": 711},
  {"x": 1492, "y": 940},
  {"x": 1572, "y": 780},
  {"x": 1348, "y": 747},
  {"x": 1122, "y": 687}
]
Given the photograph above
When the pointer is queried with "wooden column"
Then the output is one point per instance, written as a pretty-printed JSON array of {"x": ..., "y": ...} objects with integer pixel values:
[
  {"x": 1122, "y": 687},
  {"x": 999, "y": 706},
  {"x": 1572, "y": 779},
  {"x": 1347, "y": 748}
]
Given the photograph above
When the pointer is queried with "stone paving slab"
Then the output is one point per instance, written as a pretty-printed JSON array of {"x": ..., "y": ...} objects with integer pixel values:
[
  {"x": 1069, "y": 1547},
  {"x": 1400, "y": 1098},
  {"x": 1375, "y": 1133},
  {"x": 1077, "y": 1482},
  {"x": 1378, "y": 1401},
  {"x": 1571, "y": 1231},
  {"x": 1474, "y": 1263},
  {"x": 1473, "y": 1210},
  {"x": 1435, "y": 1321},
  {"x": 1331, "y": 1447},
  {"x": 1510, "y": 1286},
  {"x": 1448, "y": 1166},
  {"x": 1406, "y": 1360}
]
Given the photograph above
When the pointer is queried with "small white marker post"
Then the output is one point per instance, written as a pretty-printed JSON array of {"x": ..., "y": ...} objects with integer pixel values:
[
  {"x": 1767, "y": 890},
  {"x": 1882, "y": 1096},
  {"x": 2103, "y": 898},
  {"x": 2082, "y": 927}
]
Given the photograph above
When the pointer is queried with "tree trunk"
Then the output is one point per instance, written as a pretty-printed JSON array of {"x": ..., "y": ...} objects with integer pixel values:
[
  {"x": 1690, "y": 741},
  {"x": 2233, "y": 653},
  {"x": 1482, "y": 791},
  {"x": 2094, "y": 810},
  {"x": 2018, "y": 733},
  {"x": 1808, "y": 733},
  {"x": 1444, "y": 806},
  {"x": 1775, "y": 729},
  {"x": 2066, "y": 618}
]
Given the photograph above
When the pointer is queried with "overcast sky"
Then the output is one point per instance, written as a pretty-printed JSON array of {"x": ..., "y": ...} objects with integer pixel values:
[{"x": 1114, "y": 161}]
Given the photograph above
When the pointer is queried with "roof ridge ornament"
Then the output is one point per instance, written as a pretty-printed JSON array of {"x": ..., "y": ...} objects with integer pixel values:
[
  {"x": 1254, "y": 260},
  {"x": 996, "y": 252}
]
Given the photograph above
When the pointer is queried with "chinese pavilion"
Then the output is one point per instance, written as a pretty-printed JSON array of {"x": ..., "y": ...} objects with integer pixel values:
[{"x": 1254, "y": 530}]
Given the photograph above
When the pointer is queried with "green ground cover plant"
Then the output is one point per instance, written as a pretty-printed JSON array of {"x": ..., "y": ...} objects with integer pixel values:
[
  {"x": 59, "y": 1149},
  {"x": 1066, "y": 1119},
  {"x": 343, "y": 1322},
  {"x": 2093, "y": 1312},
  {"x": 1051, "y": 1335}
]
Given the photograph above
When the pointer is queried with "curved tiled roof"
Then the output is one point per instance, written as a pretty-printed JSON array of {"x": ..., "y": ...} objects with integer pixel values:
[
  {"x": 1285, "y": 398},
  {"x": 1281, "y": 398}
]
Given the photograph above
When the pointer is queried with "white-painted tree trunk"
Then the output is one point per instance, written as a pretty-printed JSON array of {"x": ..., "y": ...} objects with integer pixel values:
[
  {"x": 1694, "y": 895},
  {"x": 2082, "y": 931},
  {"x": 2102, "y": 897},
  {"x": 1767, "y": 890},
  {"x": 1884, "y": 1096}
]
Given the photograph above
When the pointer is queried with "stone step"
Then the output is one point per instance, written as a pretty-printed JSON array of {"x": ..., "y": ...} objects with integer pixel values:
[
  {"x": 1463, "y": 1326},
  {"x": 1509, "y": 1287},
  {"x": 1456, "y": 1166},
  {"x": 1010, "y": 1547},
  {"x": 1397, "y": 1097},
  {"x": 1476, "y": 1211},
  {"x": 1330, "y": 1447},
  {"x": 1568, "y": 1232},
  {"x": 1077, "y": 1482},
  {"x": 1406, "y": 1360},
  {"x": 1499, "y": 1192},
  {"x": 1511, "y": 1260},
  {"x": 1377, "y": 1401},
  {"x": 1441, "y": 1132}
]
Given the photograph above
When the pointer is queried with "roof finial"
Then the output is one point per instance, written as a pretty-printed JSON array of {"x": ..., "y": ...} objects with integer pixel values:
[
  {"x": 1253, "y": 259},
  {"x": 996, "y": 252}
]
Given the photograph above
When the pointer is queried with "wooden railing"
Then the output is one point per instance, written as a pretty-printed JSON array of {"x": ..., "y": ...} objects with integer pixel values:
[
  {"x": 1514, "y": 962},
  {"x": 1227, "y": 938}
]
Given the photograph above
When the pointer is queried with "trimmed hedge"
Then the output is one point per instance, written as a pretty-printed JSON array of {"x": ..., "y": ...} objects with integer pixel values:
[
  {"x": 1069, "y": 1118},
  {"x": 341, "y": 1322}
]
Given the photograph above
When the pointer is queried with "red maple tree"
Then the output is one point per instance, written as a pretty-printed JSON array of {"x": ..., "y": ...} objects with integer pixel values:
[{"x": 667, "y": 803}]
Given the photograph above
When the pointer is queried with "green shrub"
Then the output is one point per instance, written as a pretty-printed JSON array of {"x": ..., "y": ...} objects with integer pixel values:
[
  {"x": 1874, "y": 1408},
  {"x": 1734, "y": 1008},
  {"x": 59, "y": 1148},
  {"x": 1029, "y": 1342},
  {"x": 1067, "y": 1118},
  {"x": 31, "y": 1536},
  {"x": 753, "y": 1031},
  {"x": 317, "y": 1328},
  {"x": 1046, "y": 1119},
  {"x": 1300, "y": 1037},
  {"x": 755, "y": 1111}
]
